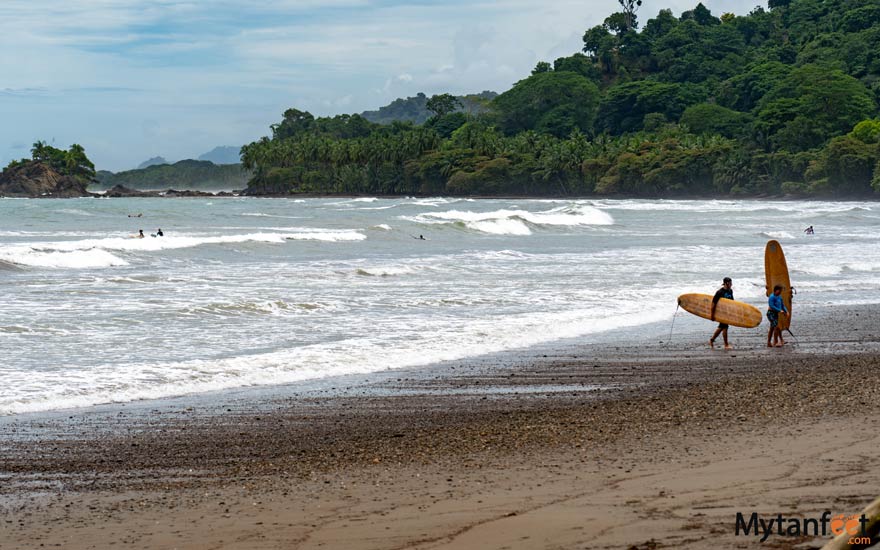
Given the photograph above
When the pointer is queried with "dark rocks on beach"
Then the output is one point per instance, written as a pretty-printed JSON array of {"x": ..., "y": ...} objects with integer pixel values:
[
  {"x": 185, "y": 193},
  {"x": 38, "y": 179},
  {"x": 119, "y": 191}
]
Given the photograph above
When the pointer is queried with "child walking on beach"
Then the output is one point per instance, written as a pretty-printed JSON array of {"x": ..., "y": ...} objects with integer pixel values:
[
  {"x": 775, "y": 307},
  {"x": 726, "y": 291}
]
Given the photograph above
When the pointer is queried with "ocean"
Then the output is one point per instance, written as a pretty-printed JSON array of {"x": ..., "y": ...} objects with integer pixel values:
[{"x": 249, "y": 291}]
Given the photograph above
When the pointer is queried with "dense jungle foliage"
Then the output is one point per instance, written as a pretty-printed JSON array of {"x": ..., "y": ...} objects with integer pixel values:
[{"x": 783, "y": 100}]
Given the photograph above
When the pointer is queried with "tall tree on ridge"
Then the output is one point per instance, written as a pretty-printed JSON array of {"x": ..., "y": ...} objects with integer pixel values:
[
  {"x": 629, "y": 12},
  {"x": 442, "y": 104}
]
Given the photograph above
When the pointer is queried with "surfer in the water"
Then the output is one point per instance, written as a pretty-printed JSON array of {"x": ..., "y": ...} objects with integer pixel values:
[
  {"x": 775, "y": 306},
  {"x": 726, "y": 291},
  {"x": 140, "y": 234},
  {"x": 809, "y": 230}
]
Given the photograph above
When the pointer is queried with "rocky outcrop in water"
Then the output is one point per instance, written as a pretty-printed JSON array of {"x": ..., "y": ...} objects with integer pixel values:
[
  {"x": 121, "y": 191},
  {"x": 37, "y": 179}
]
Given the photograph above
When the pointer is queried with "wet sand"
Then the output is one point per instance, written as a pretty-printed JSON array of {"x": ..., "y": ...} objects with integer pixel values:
[{"x": 624, "y": 445}]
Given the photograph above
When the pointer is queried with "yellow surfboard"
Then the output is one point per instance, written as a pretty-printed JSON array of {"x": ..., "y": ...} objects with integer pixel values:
[
  {"x": 776, "y": 273},
  {"x": 730, "y": 312}
]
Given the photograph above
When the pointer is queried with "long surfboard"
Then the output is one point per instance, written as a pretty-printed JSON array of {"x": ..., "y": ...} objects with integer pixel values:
[
  {"x": 730, "y": 312},
  {"x": 776, "y": 273}
]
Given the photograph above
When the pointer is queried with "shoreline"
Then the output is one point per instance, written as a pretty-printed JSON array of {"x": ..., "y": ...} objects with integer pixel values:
[
  {"x": 239, "y": 193},
  {"x": 631, "y": 343},
  {"x": 475, "y": 448}
]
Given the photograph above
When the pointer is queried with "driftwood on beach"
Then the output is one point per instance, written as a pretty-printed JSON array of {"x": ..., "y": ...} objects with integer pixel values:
[{"x": 872, "y": 532}]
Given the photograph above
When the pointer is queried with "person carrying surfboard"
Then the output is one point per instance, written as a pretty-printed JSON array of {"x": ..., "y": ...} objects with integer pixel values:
[
  {"x": 726, "y": 291},
  {"x": 775, "y": 306}
]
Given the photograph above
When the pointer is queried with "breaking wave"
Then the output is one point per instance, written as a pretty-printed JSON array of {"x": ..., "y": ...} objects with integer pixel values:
[{"x": 517, "y": 222}]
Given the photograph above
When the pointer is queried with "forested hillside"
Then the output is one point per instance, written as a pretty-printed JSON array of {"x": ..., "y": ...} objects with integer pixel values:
[
  {"x": 184, "y": 174},
  {"x": 783, "y": 100}
]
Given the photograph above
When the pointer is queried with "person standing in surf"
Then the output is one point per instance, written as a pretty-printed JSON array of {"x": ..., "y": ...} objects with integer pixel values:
[
  {"x": 775, "y": 306},
  {"x": 726, "y": 291}
]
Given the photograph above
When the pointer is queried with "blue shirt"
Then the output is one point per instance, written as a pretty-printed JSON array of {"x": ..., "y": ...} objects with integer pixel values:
[{"x": 775, "y": 303}]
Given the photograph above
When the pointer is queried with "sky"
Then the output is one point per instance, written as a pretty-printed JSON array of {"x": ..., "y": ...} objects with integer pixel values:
[{"x": 134, "y": 79}]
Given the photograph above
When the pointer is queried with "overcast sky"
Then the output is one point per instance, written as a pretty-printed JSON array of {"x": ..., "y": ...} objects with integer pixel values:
[{"x": 132, "y": 79}]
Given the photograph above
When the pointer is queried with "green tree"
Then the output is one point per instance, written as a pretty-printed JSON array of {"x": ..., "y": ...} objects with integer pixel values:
[
  {"x": 553, "y": 102},
  {"x": 810, "y": 105},
  {"x": 701, "y": 15},
  {"x": 293, "y": 123},
  {"x": 745, "y": 90},
  {"x": 443, "y": 104},
  {"x": 867, "y": 131},
  {"x": 78, "y": 165},
  {"x": 542, "y": 67},
  {"x": 847, "y": 165},
  {"x": 580, "y": 64},
  {"x": 629, "y": 12},
  {"x": 624, "y": 107},
  {"x": 709, "y": 118}
]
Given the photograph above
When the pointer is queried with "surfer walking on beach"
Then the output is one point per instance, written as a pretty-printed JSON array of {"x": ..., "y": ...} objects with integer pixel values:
[
  {"x": 726, "y": 291},
  {"x": 775, "y": 306}
]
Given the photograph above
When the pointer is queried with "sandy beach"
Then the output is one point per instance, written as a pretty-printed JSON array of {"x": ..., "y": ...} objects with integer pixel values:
[{"x": 629, "y": 445}]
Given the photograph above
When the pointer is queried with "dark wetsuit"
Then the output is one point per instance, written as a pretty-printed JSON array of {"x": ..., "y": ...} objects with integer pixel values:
[
  {"x": 775, "y": 306},
  {"x": 722, "y": 293}
]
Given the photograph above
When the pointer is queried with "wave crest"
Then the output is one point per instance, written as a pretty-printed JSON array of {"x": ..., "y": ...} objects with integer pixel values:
[
  {"x": 518, "y": 222},
  {"x": 92, "y": 253}
]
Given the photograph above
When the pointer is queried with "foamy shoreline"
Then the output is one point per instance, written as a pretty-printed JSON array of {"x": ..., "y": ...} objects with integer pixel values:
[{"x": 495, "y": 444}]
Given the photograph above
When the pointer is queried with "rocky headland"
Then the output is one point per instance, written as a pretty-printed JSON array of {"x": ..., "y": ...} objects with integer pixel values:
[{"x": 38, "y": 179}]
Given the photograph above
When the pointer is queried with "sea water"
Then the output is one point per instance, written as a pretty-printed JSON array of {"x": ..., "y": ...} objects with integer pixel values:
[{"x": 247, "y": 291}]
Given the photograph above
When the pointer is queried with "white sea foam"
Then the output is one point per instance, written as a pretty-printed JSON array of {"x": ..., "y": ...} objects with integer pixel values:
[
  {"x": 382, "y": 226},
  {"x": 796, "y": 207},
  {"x": 502, "y": 226},
  {"x": 430, "y": 202},
  {"x": 353, "y": 201},
  {"x": 386, "y": 271},
  {"x": 173, "y": 242},
  {"x": 822, "y": 270},
  {"x": 862, "y": 266},
  {"x": 69, "y": 259},
  {"x": 115, "y": 383},
  {"x": 92, "y": 253},
  {"x": 517, "y": 222},
  {"x": 777, "y": 235},
  {"x": 264, "y": 215}
]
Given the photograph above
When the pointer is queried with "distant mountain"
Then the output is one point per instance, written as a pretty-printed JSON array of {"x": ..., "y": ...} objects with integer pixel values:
[
  {"x": 414, "y": 109},
  {"x": 152, "y": 162},
  {"x": 185, "y": 174},
  {"x": 225, "y": 154}
]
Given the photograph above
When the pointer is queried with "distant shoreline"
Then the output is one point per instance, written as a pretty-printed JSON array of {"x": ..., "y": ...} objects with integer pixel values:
[{"x": 238, "y": 193}]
